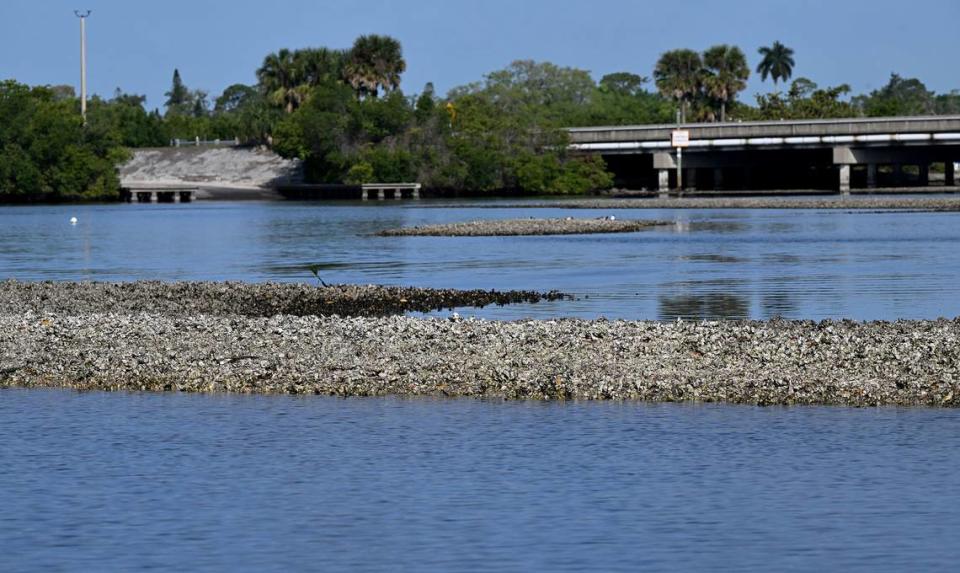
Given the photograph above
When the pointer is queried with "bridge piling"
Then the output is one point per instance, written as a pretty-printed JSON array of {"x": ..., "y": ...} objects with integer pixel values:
[
  {"x": 663, "y": 181},
  {"x": 949, "y": 174},
  {"x": 844, "y": 179}
]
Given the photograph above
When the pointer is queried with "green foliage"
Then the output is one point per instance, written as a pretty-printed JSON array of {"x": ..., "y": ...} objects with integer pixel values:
[
  {"x": 123, "y": 122},
  {"x": 703, "y": 86},
  {"x": 609, "y": 107},
  {"x": 679, "y": 75},
  {"x": 777, "y": 63},
  {"x": 804, "y": 100},
  {"x": 549, "y": 174},
  {"x": 243, "y": 112},
  {"x": 948, "y": 104},
  {"x": 901, "y": 96},
  {"x": 583, "y": 174},
  {"x": 389, "y": 165},
  {"x": 45, "y": 152},
  {"x": 374, "y": 64},
  {"x": 359, "y": 173},
  {"x": 320, "y": 132},
  {"x": 184, "y": 102},
  {"x": 179, "y": 96},
  {"x": 623, "y": 83},
  {"x": 426, "y": 105},
  {"x": 286, "y": 77},
  {"x": 343, "y": 113},
  {"x": 725, "y": 74}
]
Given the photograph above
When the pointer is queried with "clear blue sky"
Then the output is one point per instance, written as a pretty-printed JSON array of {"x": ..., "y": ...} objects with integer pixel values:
[{"x": 135, "y": 44}]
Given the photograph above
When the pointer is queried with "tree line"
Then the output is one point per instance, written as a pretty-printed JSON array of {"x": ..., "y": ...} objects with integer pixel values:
[{"x": 344, "y": 113}]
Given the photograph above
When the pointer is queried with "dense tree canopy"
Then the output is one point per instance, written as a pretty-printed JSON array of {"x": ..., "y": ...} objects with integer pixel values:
[
  {"x": 804, "y": 100},
  {"x": 344, "y": 113},
  {"x": 45, "y": 152}
]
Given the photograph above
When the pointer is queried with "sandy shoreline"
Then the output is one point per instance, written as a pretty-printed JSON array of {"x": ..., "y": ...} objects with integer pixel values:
[{"x": 53, "y": 342}]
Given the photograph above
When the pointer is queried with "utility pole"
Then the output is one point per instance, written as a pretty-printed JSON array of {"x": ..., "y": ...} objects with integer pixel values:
[{"x": 83, "y": 62}]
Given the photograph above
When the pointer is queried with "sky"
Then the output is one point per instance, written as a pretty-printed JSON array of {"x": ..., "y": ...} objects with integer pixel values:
[{"x": 136, "y": 44}]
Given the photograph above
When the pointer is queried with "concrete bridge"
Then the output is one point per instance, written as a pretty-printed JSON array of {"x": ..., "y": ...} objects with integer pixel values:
[{"x": 836, "y": 154}]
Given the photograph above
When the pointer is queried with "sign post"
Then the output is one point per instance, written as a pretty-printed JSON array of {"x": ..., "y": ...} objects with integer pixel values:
[{"x": 679, "y": 139}]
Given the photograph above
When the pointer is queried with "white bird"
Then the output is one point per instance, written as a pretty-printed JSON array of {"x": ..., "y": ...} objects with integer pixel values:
[{"x": 73, "y": 220}]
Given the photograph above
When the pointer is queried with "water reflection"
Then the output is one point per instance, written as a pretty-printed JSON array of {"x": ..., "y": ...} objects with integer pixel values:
[
  {"x": 712, "y": 258},
  {"x": 726, "y": 227},
  {"x": 710, "y": 306},
  {"x": 778, "y": 303}
]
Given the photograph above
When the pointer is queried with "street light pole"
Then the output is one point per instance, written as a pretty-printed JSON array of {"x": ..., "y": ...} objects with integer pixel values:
[{"x": 83, "y": 62}]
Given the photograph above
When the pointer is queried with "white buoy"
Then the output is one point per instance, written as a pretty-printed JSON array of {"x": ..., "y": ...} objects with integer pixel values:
[{"x": 73, "y": 220}]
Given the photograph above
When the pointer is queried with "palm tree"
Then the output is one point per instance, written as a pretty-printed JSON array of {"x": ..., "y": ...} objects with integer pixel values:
[
  {"x": 678, "y": 75},
  {"x": 726, "y": 74},
  {"x": 315, "y": 66},
  {"x": 373, "y": 64},
  {"x": 777, "y": 63},
  {"x": 279, "y": 78}
]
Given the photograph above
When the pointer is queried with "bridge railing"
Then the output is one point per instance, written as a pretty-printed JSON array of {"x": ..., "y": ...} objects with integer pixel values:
[
  {"x": 197, "y": 142},
  {"x": 764, "y": 129}
]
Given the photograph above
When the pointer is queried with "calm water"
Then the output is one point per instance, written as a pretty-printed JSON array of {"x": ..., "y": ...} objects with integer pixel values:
[
  {"x": 117, "y": 482},
  {"x": 711, "y": 264},
  {"x": 121, "y": 482}
]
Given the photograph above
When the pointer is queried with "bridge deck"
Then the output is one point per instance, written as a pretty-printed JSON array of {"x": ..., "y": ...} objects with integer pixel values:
[{"x": 853, "y": 127}]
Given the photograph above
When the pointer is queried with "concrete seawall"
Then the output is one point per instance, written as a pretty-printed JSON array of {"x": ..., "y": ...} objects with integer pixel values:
[{"x": 225, "y": 172}]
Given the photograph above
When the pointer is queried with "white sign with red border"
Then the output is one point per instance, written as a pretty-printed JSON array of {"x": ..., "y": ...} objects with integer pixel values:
[{"x": 680, "y": 138}]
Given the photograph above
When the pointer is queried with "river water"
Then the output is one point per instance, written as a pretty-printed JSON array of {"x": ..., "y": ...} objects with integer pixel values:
[
  {"x": 707, "y": 264},
  {"x": 121, "y": 482},
  {"x": 117, "y": 482}
]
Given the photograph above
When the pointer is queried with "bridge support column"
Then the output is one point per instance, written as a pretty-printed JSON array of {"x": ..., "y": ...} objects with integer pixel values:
[
  {"x": 663, "y": 181},
  {"x": 924, "y": 175},
  {"x": 871, "y": 176},
  {"x": 690, "y": 179},
  {"x": 845, "y": 179},
  {"x": 949, "y": 173},
  {"x": 718, "y": 179}
]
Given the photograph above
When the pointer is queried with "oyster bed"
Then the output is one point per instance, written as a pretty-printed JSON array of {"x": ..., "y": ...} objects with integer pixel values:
[
  {"x": 515, "y": 227},
  {"x": 246, "y": 299},
  {"x": 163, "y": 346}
]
